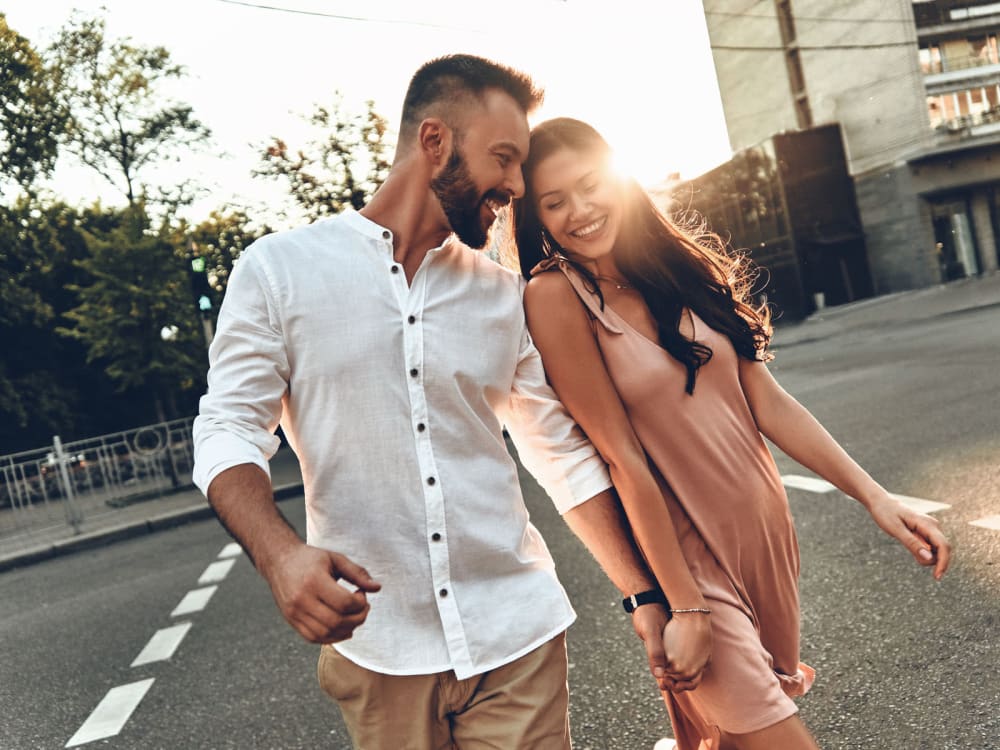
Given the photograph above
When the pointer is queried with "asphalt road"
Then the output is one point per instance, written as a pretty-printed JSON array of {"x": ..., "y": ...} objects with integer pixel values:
[{"x": 903, "y": 662}]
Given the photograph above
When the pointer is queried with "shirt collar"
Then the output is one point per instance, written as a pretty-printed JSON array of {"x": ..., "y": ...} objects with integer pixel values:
[
  {"x": 366, "y": 226},
  {"x": 369, "y": 228}
]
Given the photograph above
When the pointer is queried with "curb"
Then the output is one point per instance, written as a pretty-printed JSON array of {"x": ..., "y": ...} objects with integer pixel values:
[{"x": 118, "y": 533}]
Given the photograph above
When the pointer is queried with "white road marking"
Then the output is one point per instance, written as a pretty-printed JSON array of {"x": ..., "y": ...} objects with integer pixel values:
[
  {"x": 163, "y": 644},
  {"x": 194, "y": 601},
  {"x": 216, "y": 572},
  {"x": 111, "y": 713},
  {"x": 231, "y": 550},
  {"x": 665, "y": 744},
  {"x": 920, "y": 505},
  {"x": 990, "y": 522},
  {"x": 809, "y": 484}
]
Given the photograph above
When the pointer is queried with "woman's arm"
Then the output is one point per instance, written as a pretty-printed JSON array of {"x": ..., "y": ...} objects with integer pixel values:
[
  {"x": 573, "y": 363},
  {"x": 790, "y": 426}
]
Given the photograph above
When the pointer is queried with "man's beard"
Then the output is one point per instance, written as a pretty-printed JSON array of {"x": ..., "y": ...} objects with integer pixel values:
[{"x": 461, "y": 202}]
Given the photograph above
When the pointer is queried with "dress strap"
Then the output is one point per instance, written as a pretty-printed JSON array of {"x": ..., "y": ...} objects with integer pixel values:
[{"x": 587, "y": 295}]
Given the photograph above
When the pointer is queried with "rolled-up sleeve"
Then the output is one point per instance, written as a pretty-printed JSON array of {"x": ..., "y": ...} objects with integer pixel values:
[
  {"x": 549, "y": 443},
  {"x": 247, "y": 377}
]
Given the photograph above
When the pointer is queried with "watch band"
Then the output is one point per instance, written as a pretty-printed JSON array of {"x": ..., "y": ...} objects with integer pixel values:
[{"x": 653, "y": 596}]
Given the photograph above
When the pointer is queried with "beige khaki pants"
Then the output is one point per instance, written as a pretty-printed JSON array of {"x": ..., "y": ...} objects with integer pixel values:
[{"x": 519, "y": 706}]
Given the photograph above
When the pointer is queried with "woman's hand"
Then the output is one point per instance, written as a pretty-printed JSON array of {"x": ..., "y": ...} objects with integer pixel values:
[
  {"x": 687, "y": 640},
  {"x": 919, "y": 533}
]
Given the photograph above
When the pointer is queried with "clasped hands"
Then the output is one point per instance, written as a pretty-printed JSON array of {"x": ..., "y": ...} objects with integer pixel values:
[{"x": 678, "y": 649}]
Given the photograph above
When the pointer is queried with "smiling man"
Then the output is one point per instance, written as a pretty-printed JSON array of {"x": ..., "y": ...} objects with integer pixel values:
[{"x": 393, "y": 352}]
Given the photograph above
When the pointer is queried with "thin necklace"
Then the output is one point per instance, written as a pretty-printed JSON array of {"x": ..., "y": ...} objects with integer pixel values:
[{"x": 618, "y": 284}]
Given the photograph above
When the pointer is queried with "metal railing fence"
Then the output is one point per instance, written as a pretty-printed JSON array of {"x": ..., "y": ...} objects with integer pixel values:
[{"x": 74, "y": 483}]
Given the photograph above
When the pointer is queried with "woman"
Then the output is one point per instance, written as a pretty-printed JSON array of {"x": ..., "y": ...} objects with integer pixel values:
[{"x": 649, "y": 337}]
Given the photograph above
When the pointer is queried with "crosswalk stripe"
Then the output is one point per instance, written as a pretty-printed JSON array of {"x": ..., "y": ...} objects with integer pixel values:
[
  {"x": 111, "y": 713},
  {"x": 920, "y": 505},
  {"x": 665, "y": 744},
  {"x": 990, "y": 522},
  {"x": 216, "y": 571},
  {"x": 231, "y": 550},
  {"x": 163, "y": 644},
  {"x": 194, "y": 601},
  {"x": 809, "y": 484}
]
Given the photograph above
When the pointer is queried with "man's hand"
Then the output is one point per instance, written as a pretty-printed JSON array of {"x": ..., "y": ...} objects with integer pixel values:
[
  {"x": 649, "y": 620},
  {"x": 304, "y": 583}
]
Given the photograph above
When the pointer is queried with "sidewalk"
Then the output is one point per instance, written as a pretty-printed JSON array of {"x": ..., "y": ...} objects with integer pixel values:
[
  {"x": 141, "y": 518},
  {"x": 892, "y": 309}
]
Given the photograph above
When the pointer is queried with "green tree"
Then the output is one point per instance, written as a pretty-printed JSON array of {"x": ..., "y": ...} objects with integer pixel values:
[
  {"x": 30, "y": 118},
  {"x": 138, "y": 287},
  {"x": 121, "y": 123},
  {"x": 340, "y": 168}
]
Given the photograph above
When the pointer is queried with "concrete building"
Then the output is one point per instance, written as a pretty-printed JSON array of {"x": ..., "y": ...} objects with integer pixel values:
[{"x": 915, "y": 87}]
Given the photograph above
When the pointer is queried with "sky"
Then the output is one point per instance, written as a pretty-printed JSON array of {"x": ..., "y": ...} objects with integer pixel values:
[{"x": 639, "y": 71}]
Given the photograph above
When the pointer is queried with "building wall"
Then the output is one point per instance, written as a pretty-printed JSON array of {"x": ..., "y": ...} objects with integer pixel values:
[
  {"x": 898, "y": 231},
  {"x": 875, "y": 92},
  {"x": 756, "y": 96}
]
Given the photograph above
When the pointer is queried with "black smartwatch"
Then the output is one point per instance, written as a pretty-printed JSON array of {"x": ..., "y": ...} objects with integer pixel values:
[{"x": 653, "y": 596}]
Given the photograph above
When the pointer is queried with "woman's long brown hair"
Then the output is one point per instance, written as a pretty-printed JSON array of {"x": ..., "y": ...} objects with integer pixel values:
[{"x": 672, "y": 267}]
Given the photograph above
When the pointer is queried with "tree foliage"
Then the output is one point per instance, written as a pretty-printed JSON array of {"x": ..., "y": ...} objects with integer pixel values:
[
  {"x": 340, "y": 168},
  {"x": 121, "y": 122},
  {"x": 137, "y": 286},
  {"x": 31, "y": 120}
]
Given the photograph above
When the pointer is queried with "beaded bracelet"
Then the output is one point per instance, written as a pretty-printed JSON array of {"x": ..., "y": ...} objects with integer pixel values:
[{"x": 699, "y": 610}]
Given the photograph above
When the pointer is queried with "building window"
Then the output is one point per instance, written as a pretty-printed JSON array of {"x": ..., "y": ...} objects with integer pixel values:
[
  {"x": 786, "y": 21},
  {"x": 960, "y": 110},
  {"x": 795, "y": 76},
  {"x": 930, "y": 59},
  {"x": 803, "y": 112}
]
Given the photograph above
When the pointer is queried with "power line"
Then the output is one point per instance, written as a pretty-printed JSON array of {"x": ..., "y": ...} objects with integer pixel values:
[
  {"x": 833, "y": 19},
  {"x": 362, "y": 19},
  {"x": 811, "y": 48}
]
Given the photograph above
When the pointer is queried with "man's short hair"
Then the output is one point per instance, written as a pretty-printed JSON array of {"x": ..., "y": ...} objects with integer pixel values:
[{"x": 446, "y": 80}]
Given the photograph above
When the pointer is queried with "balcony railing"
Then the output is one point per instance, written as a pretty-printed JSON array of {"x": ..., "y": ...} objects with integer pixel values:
[
  {"x": 957, "y": 63},
  {"x": 971, "y": 125},
  {"x": 941, "y": 12}
]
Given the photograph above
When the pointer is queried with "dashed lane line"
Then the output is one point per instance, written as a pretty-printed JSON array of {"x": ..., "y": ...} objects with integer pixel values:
[
  {"x": 163, "y": 644},
  {"x": 920, "y": 505},
  {"x": 216, "y": 571},
  {"x": 810, "y": 484},
  {"x": 990, "y": 522},
  {"x": 194, "y": 601},
  {"x": 111, "y": 713},
  {"x": 231, "y": 550}
]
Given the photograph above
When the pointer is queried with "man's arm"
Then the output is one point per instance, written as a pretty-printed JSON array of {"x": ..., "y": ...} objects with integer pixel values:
[
  {"x": 303, "y": 579},
  {"x": 234, "y": 438},
  {"x": 601, "y": 525},
  {"x": 555, "y": 451}
]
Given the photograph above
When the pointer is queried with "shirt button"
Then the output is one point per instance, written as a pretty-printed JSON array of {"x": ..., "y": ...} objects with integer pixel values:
[
  {"x": 436, "y": 537},
  {"x": 394, "y": 269},
  {"x": 443, "y": 593},
  {"x": 414, "y": 372},
  {"x": 412, "y": 319},
  {"x": 386, "y": 234},
  {"x": 421, "y": 427},
  {"x": 431, "y": 481}
]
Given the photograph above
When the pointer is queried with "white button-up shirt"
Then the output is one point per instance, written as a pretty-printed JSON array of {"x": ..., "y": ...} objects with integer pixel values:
[{"x": 393, "y": 397}]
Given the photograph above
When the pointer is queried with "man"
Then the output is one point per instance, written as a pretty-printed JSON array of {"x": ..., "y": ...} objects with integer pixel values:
[{"x": 392, "y": 356}]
